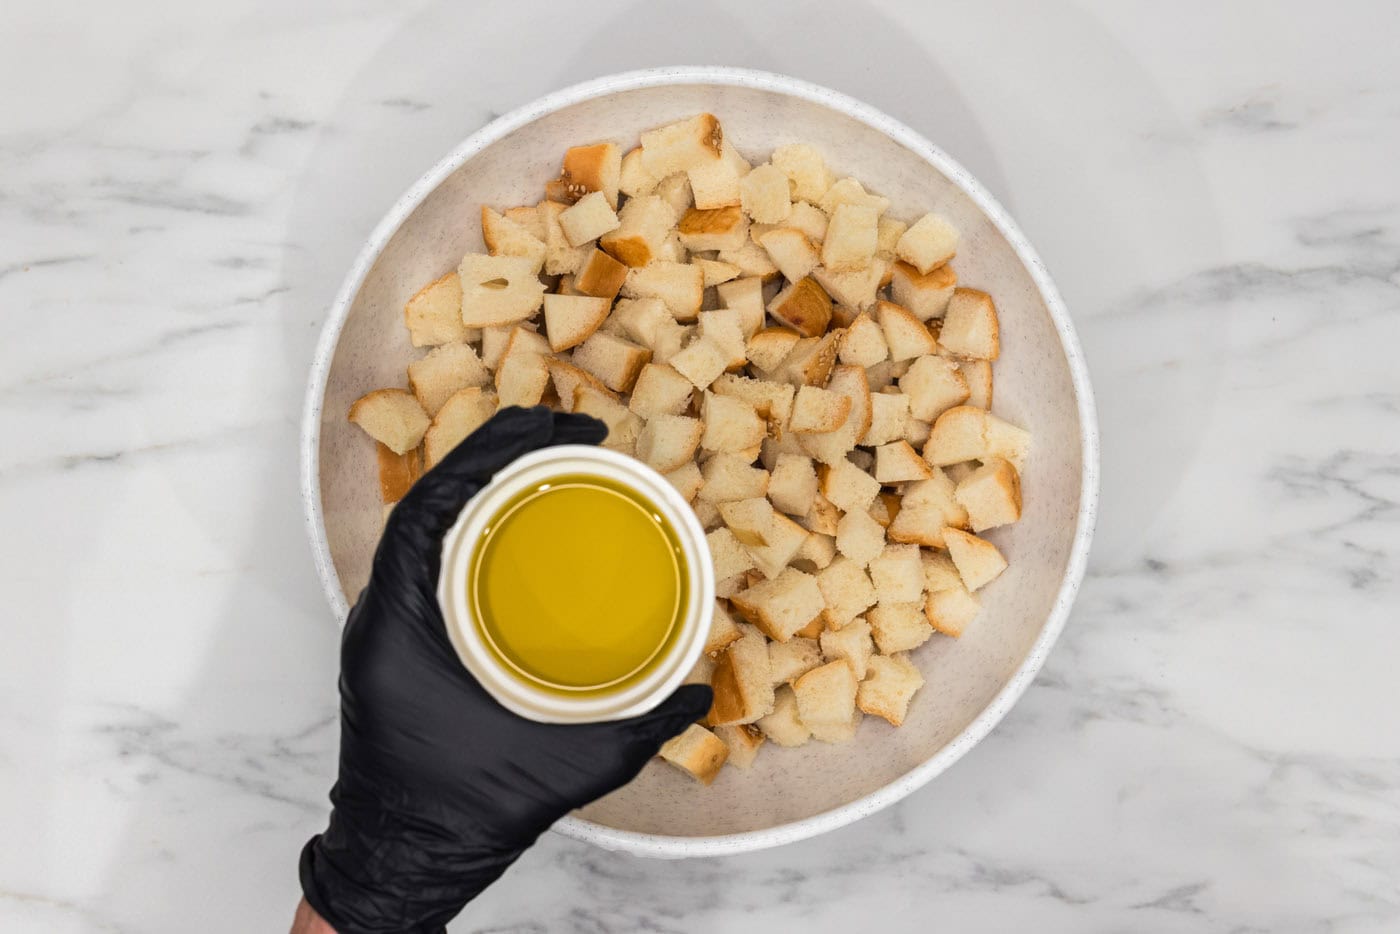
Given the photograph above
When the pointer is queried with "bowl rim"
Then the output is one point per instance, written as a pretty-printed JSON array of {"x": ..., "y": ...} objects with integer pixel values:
[{"x": 663, "y": 845}]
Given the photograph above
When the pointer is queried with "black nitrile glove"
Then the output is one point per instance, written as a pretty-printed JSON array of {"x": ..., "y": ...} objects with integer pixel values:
[{"x": 440, "y": 787}]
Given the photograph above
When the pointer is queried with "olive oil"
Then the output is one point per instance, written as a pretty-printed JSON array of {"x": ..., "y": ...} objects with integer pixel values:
[{"x": 578, "y": 585}]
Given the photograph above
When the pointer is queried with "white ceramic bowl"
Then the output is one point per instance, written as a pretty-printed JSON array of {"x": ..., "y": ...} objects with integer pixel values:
[{"x": 1041, "y": 383}]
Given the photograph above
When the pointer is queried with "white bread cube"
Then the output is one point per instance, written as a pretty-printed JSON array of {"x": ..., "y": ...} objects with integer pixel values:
[
  {"x": 729, "y": 555},
  {"x": 697, "y": 752},
  {"x": 393, "y": 417},
  {"x": 930, "y": 243},
  {"x": 927, "y": 296},
  {"x": 701, "y": 362},
  {"x": 851, "y": 644},
  {"x": 850, "y": 191},
  {"x": 678, "y": 146},
  {"x": 851, "y": 237},
  {"x": 905, "y": 334},
  {"x": 644, "y": 224},
  {"x": 600, "y": 276},
  {"x": 833, "y": 446},
  {"x": 854, "y": 291},
  {"x": 978, "y": 561},
  {"x": 764, "y": 194},
  {"x": 571, "y": 319},
  {"x": 925, "y": 510},
  {"x": 444, "y": 370},
  {"x": 529, "y": 217},
  {"x": 680, "y": 286},
  {"x": 567, "y": 378},
  {"x": 771, "y": 400},
  {"x": 782, "y": 606},
  {"x": 1007, "y": 440},
  {"x": 826, "y": 696},
  {"x": 806, "y": 171},
  {"x": 465, "y": 412},
  {"x": 522, "y": 339},
  {"x": 959, "y": 434},
  {"x": 729, "y": 478},
  {"x": 498, "y": 290},
  {"x": 751, "y": 520},
  {"x": 978, "y": 374},
  {"x": 803, "y": 306},
  {"x": 633, "y": 178},
  {"x": 822, "y": 517},
  {"x": 916, "y": 432},
  {"x": 970, "y": 326},
  {"x": 811, "y": 360},
  {"x": 898, "y": 574},
  {"x": 848, "y": 487},
  {"x": 889, "y": 416},
  {"x": 790, "y": 660},
  {"x": 793, "y": 484},
  {"x": 899, "y": 627},
  {"x": 808, "y": 219},
  {"x": 714, "y": 273},
  {"x": 714, "y": 183},
  {"x": 721, "y": 327},
  {"x": 667, "y": 442},
  {"x": 752, "y": 260},
  {"x": 597, "y": 168},
  {"x": 783, "y": 726},
  {"x": 434, "y": 314},
  {"x": 846, "y": 591},
  {"x": 818, "y": 410},
  {"x": 768, "y": 348},
  {"x": 686, "y": 479},
  {"x": 939, "y": 571},
  {"x": 724, "y": 630},
  {"x": 744, "y": 296},
  {"x": 504, "y": 237},
  {"x": 616, "y": 362},
  {"x": 785, "y": 540},
  {"x": 818, "y": 550},
  {"x": 951, "y": 611},
  {"x": 561, "y": 257},
  {"x": 723, "y": 228},
  {"x": 731, "y": 424},
  {"x": 675, "y": 191},
  {"x": 741, "y": 681},
  {"x": 864, "y": 344},
  {"x": 660, "y": 390},
  {"x": 898, "y": 462},
  {"x": 991, "y": 495},
  {"x": 791, "y": 251},
  {"x": 887, "y": 237},
  {"x": 623, "y": 426},
  {"x": 521, "y": 379},
  {"x": 710, "y": 519},
  {"x": 744, "y": 741},
  {"x": 890, "y": 684},
  {"x": 641, "y": 319},
  {"x": 671, "y": 336}
]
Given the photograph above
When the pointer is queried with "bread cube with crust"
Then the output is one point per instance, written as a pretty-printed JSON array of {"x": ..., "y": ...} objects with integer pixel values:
[
  {"x": 851, "y": 643},
  {"x": 596, "y": 168},
  {"x": 571, "y": 319},
  {"x": 783, "y": 726},
  {"x": 600, "y": 276},
  {"x": 768, "y": 348},
  {"x": 434, "y": 314},
  {"x": 744, "y": 296},
  {"x": 444, "y": 370},
  {"x": 959, "y": 434},
  {"x": 951, "y": 611},
  {"x": 808, "y": 219},
  {"x": 890, "y": 684},
  {"x": 721, "y": 327},
  {"x": 667, "y": 442},
  {"x": 889, "y": 416},
  {"x": 660, "y": 390},
  {"x": 728, "y": 553},
  {"x": 588, "y": 219},
  {"x": 811, "y": 360},
  {"x": 785, "y": 540},
  {"x": 633, "y": 178},
  {"x": 898, "y": 462},
  {"x": 679, "y": 146},
  {"x": 701, "y": 362},
  {"x": 561, "y": 257},
  {"x": 939, "y": 571},
  {"x": 887, "y": 237},
  {"x": 826, "y": 697},
  {"x": 623, "y": 425},
  {"x": 991, "y": 495},
  {"x": 846, "y": 591},
  {"x": 930, "y": 243},
  {"x": 822, "y": 516},
  {"x": 686, "y": 479},
  {"x": 714, "y": 273},
  {"x": 848, "y": 487},
  {"x": 791, "y": 251},
  {"x": 803, "y": 306},
  {"x": 393, "y": 417},
  {"x": 697, "y": 752},
  {"x": 567, "y": 378},
  {"x": 464, "y": 412},
  {"x": 806, "y": 171},
  {"x": 792, "y": 487},
  {"x": 751, "y": 520},
  {"x": 521, "y": 379},
  {"x": 833, "y": 446},
  {"x": 926, "y": 296},
  {"x": 898, "y": 574},
  {"x": 731, "y": 425},
  {"x": 899, "y": 627},
  {"x": 790, "y": 660},
  {"x": 723, "y": 228},
  {"x": 906, "y": 336},
  {"x": 772, "y": 401},
  {"x": 818, "y": 410},
  {"x": 864, "y": 344},
  {"x": 742, "y": 684},
  {"x": 613, "y": 360},
  {"x": 744, "y": 740},
  {"x": 978, "y": 374},
  {"x": 817, "y": 550},
  {"x": 854, "y": 291},
  {"x": 644, "y": 223},
  {"x": 782, "y": 606},
  {"x": 978, "y": 561},
  {"x": 714, "y": 183},
  {"x": 764, "y": 194},
  {"x": 752, "y": 260},
  {"x": 505, "y": 237},
  {"x": 641, "y": 320},
  {"x": 925, "y": 510},
  {"x": 970, "y": 326},
  {"x": 729, "y": 478},
  {"x": 498, "y": 290},
  {"x": 851, "y": 237},
  {"x": 679, "y": 285}
]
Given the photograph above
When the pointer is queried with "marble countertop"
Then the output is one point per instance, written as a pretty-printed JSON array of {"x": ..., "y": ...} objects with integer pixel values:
[{"x": 1212, "y": 746}]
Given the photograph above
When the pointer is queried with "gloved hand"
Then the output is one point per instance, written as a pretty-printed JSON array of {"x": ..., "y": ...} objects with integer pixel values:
[{"x": 440, "y": 787}]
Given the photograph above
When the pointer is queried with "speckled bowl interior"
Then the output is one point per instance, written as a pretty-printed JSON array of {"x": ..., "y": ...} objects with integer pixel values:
[{"x": 1039, "y": 383}]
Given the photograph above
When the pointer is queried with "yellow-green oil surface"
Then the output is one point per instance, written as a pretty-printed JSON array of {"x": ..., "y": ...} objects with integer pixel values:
[{"x": 579, "y": 585}]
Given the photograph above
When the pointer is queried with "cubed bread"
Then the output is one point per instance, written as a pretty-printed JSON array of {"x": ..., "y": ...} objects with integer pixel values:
[
  {"x": 505, "y": 237},
  {"x": 764, "y": 194},
  {"x": 970, "y": 326},
  {"x": 811, "y": 360},
  {"x": 898, "y": 574},
  {"x": 714, "y": 273},
  {"x": 906, "y": 336},
  {"x": 926, "y": 296},
  {"x": 498, "y": 290},
  {"x": 641, "y": 319},
  {"x": 817, "y": 550},
  {"x": 768, "y": 348},
  {"x": 951, "y": 611},
  {"x": 393, "y": 417},
  {"x": 600, "y": 276},
  {"x": 464, "y": 412},
  {"x": 686, "y": 479},
  {"x": 833, "y": 446},
  {"x": 667, "y": 442},
  {"x": 859, "y": 537},
  {"x": 752, "y": 260},
  {"x": 959, "y": 434},
  {"x": 434, "y": 314},
  {"x": 854, "y": 291},
  {"x": 714, "y": 183},
  {"x": 721, "y": 327},
  {"x": 851, "y": 644},
  {"x": 723, "y": 228},
  {"x": 729, "y": 478},
  {"x": 697, "y": 752},
  {"x": 742, "y": 685},
  {"x": 1006, "y": 440},
  {"x": 782, "y": 606},
  {"x": 791, "y": 251},
  {"x": 744, "y": 296},
  {"x": 772, "y": 401},
  {"x": 521, "y": 379},
  {"x": 803, "y": 306},
  {"x": 444, "y": 370},
  {"x": 889, "y": 415},
  {"x": 978, "y": 374},
  {"x": 930, "y": 243},
  {"x": 939, "y": 571},
  {"x": 978, "y": 561},
  {"x": 561, "y": 257},
  {"x": 793, "y": 484},
  {"x": 397, "y": 472},
  {"x": 731, "y": 424},
  {"x": 660, "y": 390},
  {"x": 808, "y": 219},
  {"x": 495, "y": 339},
  {"x": 851, "y": 237},
  {"x": 597, "y": 167},
  {"x": 821, "y": 516},
  {"x": 991, "y": 495},
  {"x": 567, "y": 378},
  {"x": 864, "y": 344},
  {"x": 899, "y": 627},
  {"x": 926, "y": 508},
  {"x": 783, "y": 726},
  {"x": 529, "y": 217},
  {"x": 679, "y": 146},
  {"x": 898, "y": 462},
  {"x": 724, "y": 630},
  {"x": 633, "y": 179},
  {"x": 846, "y": 591},
  {"x": 571, "y": 319},
  {"x": 644, "y": 223},
  {"x": 890, "y": 684},
  {"x": 806, "y": 171},
  {"x": 728, "y": 553},
  {"x": 744, "y": 741},
  {"x": 818, "y": 410},
  {"x": 847, "y": 486},
  {"x": 785, "y": 540},
  {"x": 523, "y": 339},
  {"x": 851, "y": 191},
  {"x": 887, "y": 237},
  {"x": 675, "y": 191},
  {"x": 623, "y": 425},
  {"x": 790, "y": 660},
  {"x": 701, "y": 362},
  {"x": 933, "y": 385},
  {"x": 826, "y": 695},
  {"x": 679, "y": 285},
  {"x": 615, "y": 361}
]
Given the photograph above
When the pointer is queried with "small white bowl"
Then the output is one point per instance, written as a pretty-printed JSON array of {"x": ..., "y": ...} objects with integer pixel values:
[
  {"x": 518, "y": 695},
  {"x": 1041, "y": 383}
]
